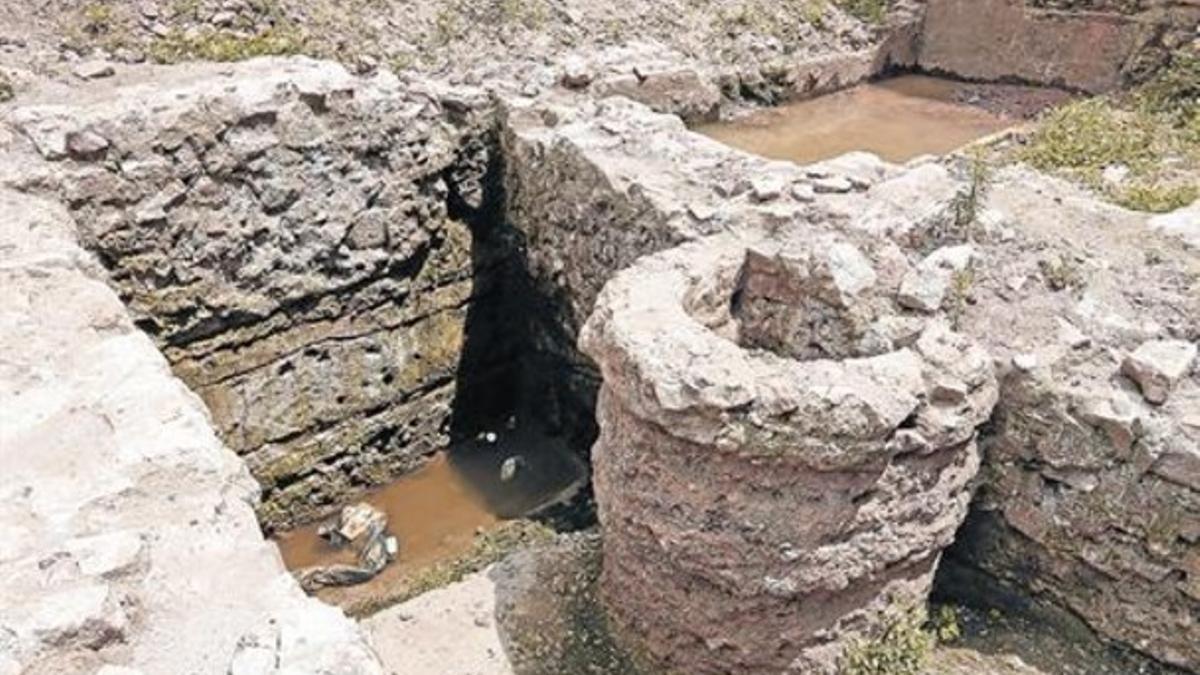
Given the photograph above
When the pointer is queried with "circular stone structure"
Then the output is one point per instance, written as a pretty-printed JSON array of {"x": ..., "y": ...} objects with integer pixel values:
[{"x": 783, "y": 455}]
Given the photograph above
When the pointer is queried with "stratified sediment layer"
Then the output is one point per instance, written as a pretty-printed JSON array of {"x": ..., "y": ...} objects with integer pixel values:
[{"x": 281, "y": 228}]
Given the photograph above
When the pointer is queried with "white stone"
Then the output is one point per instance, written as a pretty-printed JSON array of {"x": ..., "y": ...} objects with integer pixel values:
[
  {"x": 1115, "y": 174},
  {"x": 765, "y": 188},
  {"x": 1025, "y": 362},
  {"x": 576, "y": 73},
  {"x": 252, "y": 660},
  {"x": 93, "y": 70},
  {"x": 1072, "y": 336},
  {"x": 803, "y": 193},
  {"x": 1183, "y": 223},
  {"x": 832, "y": 185},
  {"x": 1157, "y": 365},
  {"x": 77, "y": 614},
  {"x": 109, "y": 669},
  {"x": 925, "y": 287},
  {"x": 106, "y": 553},
  {"x": 848, "y": 269},
  {"x": 1114, "y": 414}
]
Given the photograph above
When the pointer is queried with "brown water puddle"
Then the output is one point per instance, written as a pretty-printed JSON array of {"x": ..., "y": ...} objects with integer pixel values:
[
  {"x": 897, "y": 119},
  {"x": 436, "y": 511}
]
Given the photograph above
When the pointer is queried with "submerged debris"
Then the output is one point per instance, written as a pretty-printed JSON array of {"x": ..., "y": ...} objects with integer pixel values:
[{"x": 363, "y": 528}]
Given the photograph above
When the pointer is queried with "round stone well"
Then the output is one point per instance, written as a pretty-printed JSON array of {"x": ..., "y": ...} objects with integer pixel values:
[{"x": 784, "y": 452}]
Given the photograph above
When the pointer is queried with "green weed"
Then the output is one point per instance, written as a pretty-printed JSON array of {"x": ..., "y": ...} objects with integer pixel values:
[
  {"x": 214, "y": 45},
  {"x": 902, "y": 649},
  {"x": 869, "y": 11}
]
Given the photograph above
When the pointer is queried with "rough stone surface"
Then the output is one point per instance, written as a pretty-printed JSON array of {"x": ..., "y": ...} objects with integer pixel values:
[
  {"x": 1008, "y": 39},
  {"x": 129, "y": 536},
  {"x": 1158, "y": 365},
  {"x": 735, "y": 485},
  {"x": 448, "y": 630},
  {"x": 1183, "y": 223},
  {"x": 1048, "y": 506},
  {"x": 281, "y": 229},
  {"x": 1090, "y": 496}
]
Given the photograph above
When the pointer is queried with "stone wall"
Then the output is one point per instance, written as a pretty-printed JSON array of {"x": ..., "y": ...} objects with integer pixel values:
[
  {"x": 281, "y": 229},
  {"x": 128, "y": 539},
  {"x": 1091, "y": 492},
  {"x": 1083, "y": 50},
  {"x": 1101, "y": 521},
  {"x": 592, "y": 187}
]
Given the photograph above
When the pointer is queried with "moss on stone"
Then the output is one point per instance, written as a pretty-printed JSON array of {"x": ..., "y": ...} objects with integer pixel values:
[
  {"x": 7, "y": 91},
  {"x": 1087, "y": 136},
  {"x": 1157, "y": 198},
  {"x": 868, "y": 11}
]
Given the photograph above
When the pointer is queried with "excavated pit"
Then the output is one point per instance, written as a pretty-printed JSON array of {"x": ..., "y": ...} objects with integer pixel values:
[
  {"x": 333, "y": 265},
  {"x": 325, "y": 261}
]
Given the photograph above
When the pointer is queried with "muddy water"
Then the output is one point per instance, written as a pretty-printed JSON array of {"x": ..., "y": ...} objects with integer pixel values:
[
  {"x": 437, "y": 510},
  {"x": 897, "y": 119}
]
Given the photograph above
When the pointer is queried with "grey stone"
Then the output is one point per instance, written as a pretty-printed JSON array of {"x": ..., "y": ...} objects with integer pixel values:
[
  {"x": 1183, "y": 223},
  {"x": 93, "y": 70},
  {"x": 925, "y": 287},
  {"x": 803, "y": 193},
  {"x": 576, "y": 74},
  {"x": 766, "y": 188},
  {"x": 1156, "y": 366},
  {"x": 832, "y": 185},
  {"x": 85, "y": 143}
]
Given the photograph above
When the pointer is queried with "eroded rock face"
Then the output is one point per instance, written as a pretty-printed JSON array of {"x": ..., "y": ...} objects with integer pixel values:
[
  {"x": 281, "y": 229},
  {"x": 761, "y": 511},
  {"x": 1090, "y": 497}
]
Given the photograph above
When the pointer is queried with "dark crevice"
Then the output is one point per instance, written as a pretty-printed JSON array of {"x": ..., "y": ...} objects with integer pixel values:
[{"x": 512, "y": 368}]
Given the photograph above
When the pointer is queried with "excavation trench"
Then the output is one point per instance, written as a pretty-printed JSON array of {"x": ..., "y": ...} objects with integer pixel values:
[{"x": 523, "y": 395}]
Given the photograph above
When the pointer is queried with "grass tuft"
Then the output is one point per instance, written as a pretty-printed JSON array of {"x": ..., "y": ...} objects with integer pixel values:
[
  {"x": 902, "y": 649},
  {"x": 867, "y": 11},
  {"x": 216, "y": 45},
  {"x": 1154, "y": 133}
]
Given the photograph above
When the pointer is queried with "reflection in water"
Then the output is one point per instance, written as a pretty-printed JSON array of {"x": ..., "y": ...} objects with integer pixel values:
[
  {"x": 436, "y": 511},
  {"x": 897, "y": 119}
]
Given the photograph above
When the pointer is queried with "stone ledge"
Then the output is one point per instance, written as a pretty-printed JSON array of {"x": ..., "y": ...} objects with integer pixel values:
[{"x": 129, "y": 533}]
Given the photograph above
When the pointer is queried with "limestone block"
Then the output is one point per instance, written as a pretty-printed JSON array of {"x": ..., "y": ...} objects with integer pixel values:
[{"x": 1158, "y": 365}]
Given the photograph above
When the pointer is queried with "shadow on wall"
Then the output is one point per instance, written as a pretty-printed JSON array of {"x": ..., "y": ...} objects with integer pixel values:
[{"x": 519, "y": 412}]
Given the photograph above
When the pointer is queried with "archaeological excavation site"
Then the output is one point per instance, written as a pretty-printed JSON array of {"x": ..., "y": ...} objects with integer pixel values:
[{"x": 599, "y": 337}]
